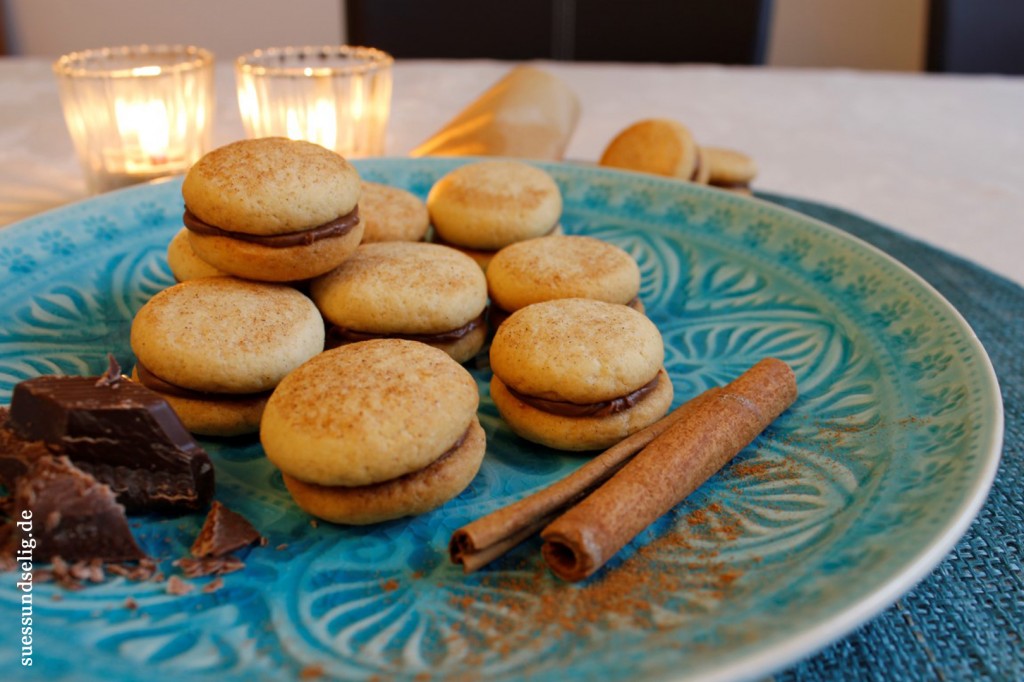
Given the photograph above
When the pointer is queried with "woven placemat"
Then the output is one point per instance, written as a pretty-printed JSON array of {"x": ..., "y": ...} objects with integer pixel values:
[{"x": 966, "y": 620}]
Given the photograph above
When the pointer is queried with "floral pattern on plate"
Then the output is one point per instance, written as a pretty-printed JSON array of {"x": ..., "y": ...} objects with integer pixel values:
[{"x": 841, "y": 505}]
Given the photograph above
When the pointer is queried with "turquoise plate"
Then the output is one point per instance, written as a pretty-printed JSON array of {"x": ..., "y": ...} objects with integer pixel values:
[{"x": 841, "y": 506}]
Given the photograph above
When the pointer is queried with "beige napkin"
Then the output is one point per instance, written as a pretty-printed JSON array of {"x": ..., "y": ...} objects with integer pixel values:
[{"x": 529, "y": 113}]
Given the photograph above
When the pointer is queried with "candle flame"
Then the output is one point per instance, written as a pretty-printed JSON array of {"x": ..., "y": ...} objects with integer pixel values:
[
  {"x": 319, "y": 124},
  {"x": 144, "y": 125}
]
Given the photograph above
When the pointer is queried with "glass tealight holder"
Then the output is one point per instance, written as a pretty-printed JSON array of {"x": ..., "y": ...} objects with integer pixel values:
[
  {"x": 336, "y": 96},
  {"x": 136, "y": 113}
]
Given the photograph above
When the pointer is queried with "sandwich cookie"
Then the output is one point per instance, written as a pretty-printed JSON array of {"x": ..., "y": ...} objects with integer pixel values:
[
  {"x": 391, "y": 214},
  {"x": 214, "y": 348},
  {"x": 272, "y": 209},
  {"x": 409, "y": 290},
  {"x": 560, "y": 266},
  {"x": 659, "y": 146},
  {"x": 578, "y": 374},
  {"x": 375, "y": 430},
  {"x": 183, "y": 261},
  {"x": 730, "y": 169},
  {"x": 484, "y": 206}
]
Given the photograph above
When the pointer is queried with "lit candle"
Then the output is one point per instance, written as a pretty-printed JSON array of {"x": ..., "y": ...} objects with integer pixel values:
[
  {"x": 136, "y": 113},
  {"x": 341, "y": 103}
]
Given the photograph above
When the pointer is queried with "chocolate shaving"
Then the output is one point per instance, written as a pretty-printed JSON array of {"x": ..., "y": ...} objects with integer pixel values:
[
  {"x": 112, "y": 376},
  {"x": 144, "y": 570},
  {"x": 178, "y": 587},
  {"x": 197, "y": 568},
  {"x": 71, "y": 576},
  {"x": 223, "y": 532},
  {"x": 213, "y": 585},
  {"x": 90, "y": 570}
]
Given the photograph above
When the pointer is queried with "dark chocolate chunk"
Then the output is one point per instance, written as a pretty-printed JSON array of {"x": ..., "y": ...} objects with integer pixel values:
[
  {"x": 223, "y": 531},
  {"x": 121, "y": 432},
  {"x": 73, "y": 516},
  {"x": 8, "y": 546},
  {"x": 16, "y": 453}
]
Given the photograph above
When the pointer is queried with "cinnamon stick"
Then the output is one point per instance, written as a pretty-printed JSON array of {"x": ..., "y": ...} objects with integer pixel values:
[
  {"x": 482, "y": 541},
  {"x": 672, "y": 466}
]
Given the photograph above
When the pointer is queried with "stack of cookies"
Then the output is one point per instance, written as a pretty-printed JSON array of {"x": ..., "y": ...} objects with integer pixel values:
[
  {"x": 333, "y": 316},
  {"x": 260, "y": 215}
]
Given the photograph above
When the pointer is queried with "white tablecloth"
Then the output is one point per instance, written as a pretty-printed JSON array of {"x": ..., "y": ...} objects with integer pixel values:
[{"x": 940, "y": 158}]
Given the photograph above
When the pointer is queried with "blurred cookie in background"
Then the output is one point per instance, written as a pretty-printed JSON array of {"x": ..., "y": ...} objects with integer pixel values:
[
  {"x": 730, "y": 169},
  {"x": 391, "y": 214},
  {"x": 658, "y": 145}
]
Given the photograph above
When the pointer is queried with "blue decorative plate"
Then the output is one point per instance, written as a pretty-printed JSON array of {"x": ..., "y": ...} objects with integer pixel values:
[{"x": 849, "y": 499}]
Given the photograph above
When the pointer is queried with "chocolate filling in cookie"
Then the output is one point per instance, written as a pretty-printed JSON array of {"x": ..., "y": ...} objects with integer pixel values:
[
  {"x": 337, "y": 335},
  {"x": 161, "y": 385},
  {"x": 335, "y": 228},
  {"x": 604, "y": 408}
]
